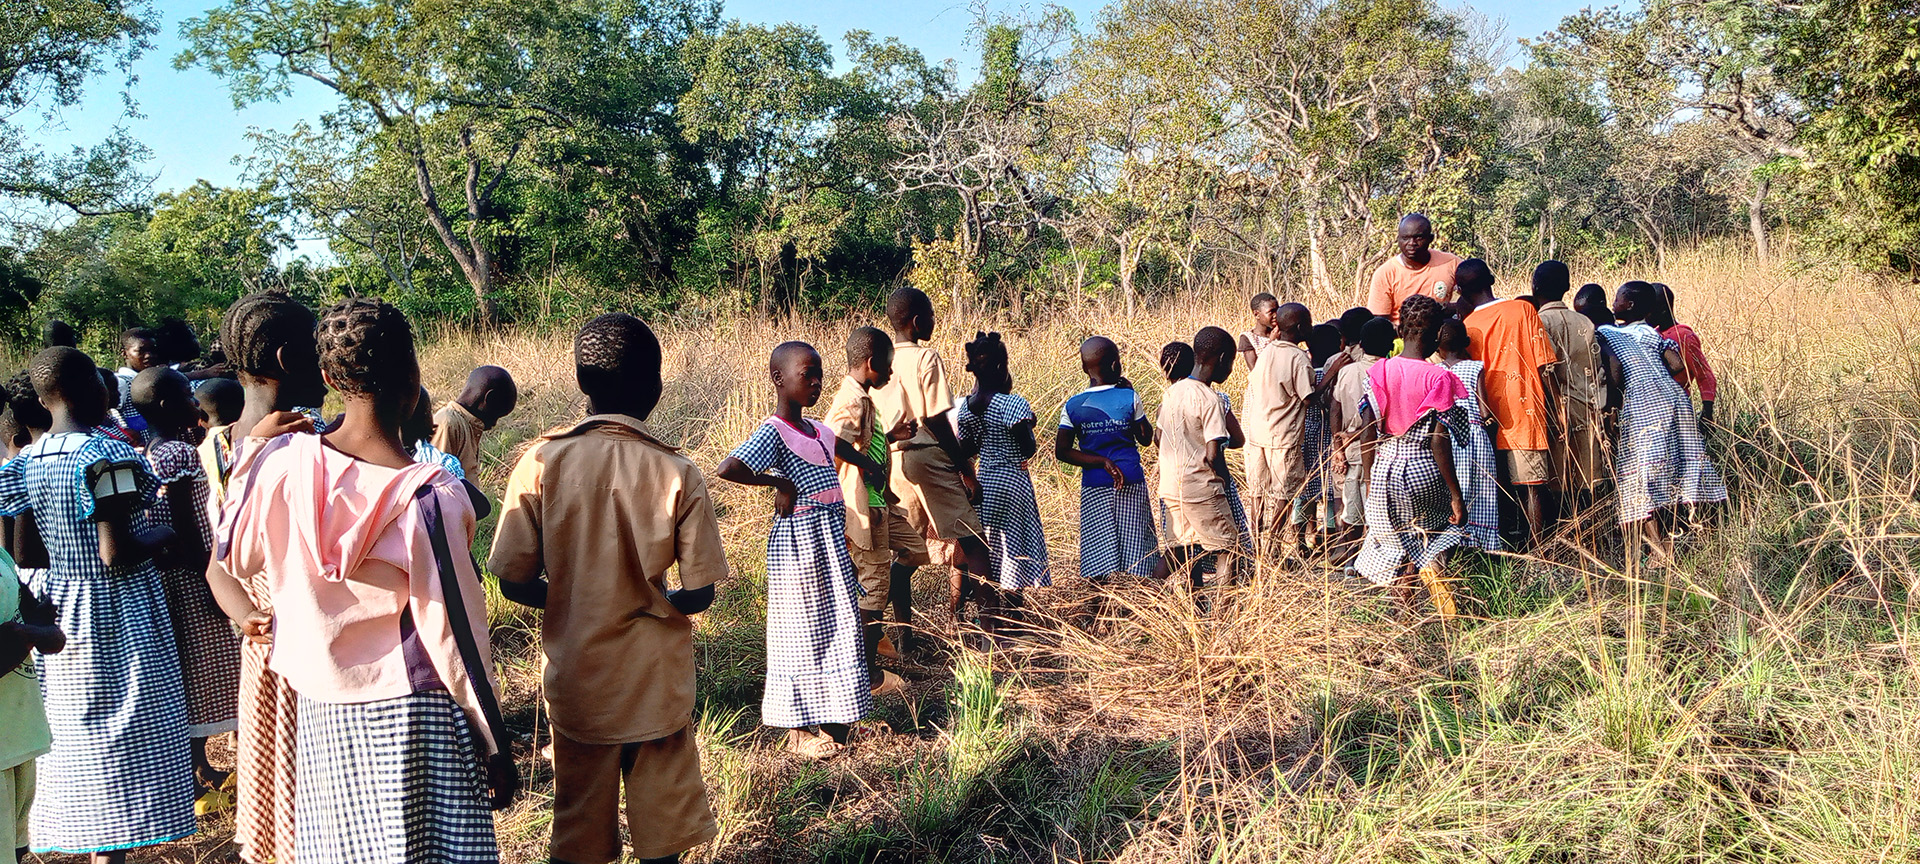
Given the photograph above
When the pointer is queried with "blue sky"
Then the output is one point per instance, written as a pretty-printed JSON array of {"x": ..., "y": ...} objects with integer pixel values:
[{"x": 194, "y": 131}]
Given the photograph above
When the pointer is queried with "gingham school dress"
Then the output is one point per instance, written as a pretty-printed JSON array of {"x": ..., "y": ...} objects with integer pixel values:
[
  {"x": 1316, "y": 447},
  {"x": 208, "y": 644},
  {"x": 120, "y": 774},
  {"x": 1473, "y": 463},
  {"x": 1116, "y": 525},
  {"x": 1660, "y": 459},
  {"x": 1234, "y": 503},
  {"x": 1407, "y": 508},
  {"x": 1008, "y": 508},
  {"x": 816, "y": 659}
]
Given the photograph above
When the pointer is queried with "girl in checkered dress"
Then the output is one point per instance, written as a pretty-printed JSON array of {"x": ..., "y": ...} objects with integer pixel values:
[
  {"x": 120, "y": 773},
  {"x": 998, "y": 425},
  {"x": 379, "y": 621},
  {"x": 817, "y": 678},
  {"x": 209, "y": 647},
  {"x": 1660, "y": 459},
  {"x": 1473, "y": 461},
  {"x": 1416, "y": 514}
]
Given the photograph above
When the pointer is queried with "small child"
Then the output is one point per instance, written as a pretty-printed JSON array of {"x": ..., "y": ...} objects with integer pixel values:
[
  {"x": 28, "y": 420},
  {"x": 416, "y": 432},
  {"x": 817, "y": 681},
  {"x": 140, "y": 349},
  {"x": 1176, "y": 361},
  {"x": 880, "y": 540},
  {"x": 1343, "y": 415},
  {"x": 1473, "y": 455},
  {"x": 114, "y": 424},
  {"x": 1101, "y": 430},
  {"x": 209, "y": 649},
  {"x": 1265, "y": 307},
  {"x": 602, "y": 509},
  {"x": 998, "y": 425},
  {"x": 120, "y": 771},
  {"x": 1277, "y": 392},
  {"x": 1194, "y": 438},
  {"x": 1591, "y": 301},
  {"x": 26, "y": 625},
  {"x": 458, "y": 426},
  {"x": 1696, "y": 370},
  {"x": 1316, "y": 499},
  {"x": 221, "y": 401}
]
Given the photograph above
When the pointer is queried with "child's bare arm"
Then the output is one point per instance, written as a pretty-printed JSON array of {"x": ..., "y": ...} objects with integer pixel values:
[
  {"x": 784, "y": 492},
  {"x": 118, "y": 546},
  {"x": 874, "y": 472},
  {"x": 1024, "y": 439},
  {"x": 1217, "y": 458},
  {"x": 232, "y": 597},
  {"x": 691, "y": 601},
  {"x": 942, "y": 431},
  {"x": 1443, "y": 459},
  {"x": 1236, "y": 437},
  {"x": 1065, "y": 451},
  {"x": 1143, "y": 432}
]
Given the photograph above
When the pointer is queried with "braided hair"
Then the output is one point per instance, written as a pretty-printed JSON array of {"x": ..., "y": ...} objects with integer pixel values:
[
  {"x": 24, "y": 402},
  {"x": 1176, "y": 360},
  {"x": 987, "y": 357},
  {"x": 258, "y": 325},
  {"x": 1420, "y": 318},
  {"x": 366, "y": 348}
]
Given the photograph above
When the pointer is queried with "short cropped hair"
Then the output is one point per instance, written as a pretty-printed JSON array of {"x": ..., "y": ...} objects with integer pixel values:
[
  {"x": 866, "y": 343},
  {"x": 905, "y": 304},
  {"x": 1176, "y": 360},
  {"x": 1262, "y": 300},
  {"x": 1454, "y": 337},
  {"x": 1212, "y": 343},
  {"x": 615, "y": 350},
  {"x": 1352, "y": 322},
  {"x": 1376, "y": 338},
  {"x": 1551, "y": 280}
]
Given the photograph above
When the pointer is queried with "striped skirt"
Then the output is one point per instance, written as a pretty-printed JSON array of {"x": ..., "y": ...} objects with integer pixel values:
[
  {"x": 390, "y": 782},
  {"x": 263, "y": 761},
  {"x": 1116, "y": 531}
]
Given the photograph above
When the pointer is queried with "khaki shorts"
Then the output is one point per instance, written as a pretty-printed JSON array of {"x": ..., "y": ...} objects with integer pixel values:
[
  {"x": 1275, "y": 473},
  {"x": 1527, "y": 467},
  {"x": 16, "y": 801},
  {"x": 1578, "y": 464},
  {"x": 893, "y": 539},
  {"x": 1206, "y": 524},
  {"x": 667, "y": 810},
  {"x": 936, "y": 498}
]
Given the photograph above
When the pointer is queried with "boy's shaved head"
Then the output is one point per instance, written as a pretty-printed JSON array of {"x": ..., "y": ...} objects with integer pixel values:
[
  {"x": 1261, "y": 301},
  {"x": 905, "y": 304},
  {"x": 1097, "y": 352},
  {"x": 789, "y": 352},
  {"x": 1212, "y": 344},
  {"x": 1353, "y": 322},
  {"x": 59, "y": 334},
  {"x": 616, "y": 361},
  {"x": 1292, "y": 318},
  {"x": 153, "y": 385},
  {"x": 1551, "y": 280},
  {"x": 66, "y": 376},
  {"x": 1473, "y": 277},
  {"x": 222, "y": 399},
  {"x": 1376, "y": 338},
  {"x": 866, "y": 343}
]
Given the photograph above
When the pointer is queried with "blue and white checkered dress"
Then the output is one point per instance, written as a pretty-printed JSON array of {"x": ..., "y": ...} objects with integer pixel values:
[
  {"x": 393, "y": 781},
  {"x": 208, "y": 643},
  {"x": 1473, "y": 462},
  {"x": 816, "y": 656},
  {"x": 1008, "y": 508},
  {"x": 1407, "y": 503},
  {"x": 1234, "y": 503},
  {"x": 1660, "y": 459},
  {"x": 120, "y": 774}
]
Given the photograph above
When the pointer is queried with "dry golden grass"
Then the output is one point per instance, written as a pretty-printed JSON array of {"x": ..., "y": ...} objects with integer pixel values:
[{"x": 1758, "y": 702}]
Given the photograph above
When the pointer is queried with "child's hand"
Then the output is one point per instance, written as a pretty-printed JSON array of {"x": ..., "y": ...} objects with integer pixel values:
[
  {"x": 971, "y": 484},
  {"x": 1123, "y": 384},
  {"x": 1459, "y": 514},
  {"x": 46, "y": 639},
  {"x": 280, "y": 423},
  {"x": 784, "y": 495},
  {"x": 503, "y": 779},
  {"x": 904, "y": 430},
  {"x": 258, "y": 628},
  {"x": 1113, "y": 471},
  {"x": 875, "y": 475}
]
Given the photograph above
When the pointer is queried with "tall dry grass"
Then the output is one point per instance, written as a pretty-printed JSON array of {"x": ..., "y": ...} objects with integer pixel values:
[{"x": 1756, "y": 702}]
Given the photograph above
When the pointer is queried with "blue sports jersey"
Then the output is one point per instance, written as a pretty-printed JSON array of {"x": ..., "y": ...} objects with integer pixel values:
[{"x": 1102, "y": 419}]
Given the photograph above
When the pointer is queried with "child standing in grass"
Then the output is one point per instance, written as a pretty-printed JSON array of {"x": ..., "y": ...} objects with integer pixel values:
[
  {"x": 1473, "y": 455},
  {"x": 120, "y": 772},
  {"x": 603, "y": 509},
  {"x": 1265, "y": 308},
  {"x": 1315, "y": 502},
  {"x": 998, "y": 425},
  {"x": 1660, "y": 459},
  {"x": 1194, "y": 438},
  {"x": 1343, "y": 415},
  {"x": 817, "y": 681},
  {"x": 1176, "y": 361},
  {"x": 458, "y": 426},
  {"x": 1696, "y": 371},
  {"x": 1278, "y": 387},
  {"x": 1416, "y": 514},
  {"x": 880, "y": 540},
  {"x": 209, "y": 649},
  {"x": 1101, "y": 430}
]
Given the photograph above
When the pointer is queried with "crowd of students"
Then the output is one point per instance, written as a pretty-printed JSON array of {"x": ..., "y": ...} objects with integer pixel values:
[{"x": 198, "y": 552}]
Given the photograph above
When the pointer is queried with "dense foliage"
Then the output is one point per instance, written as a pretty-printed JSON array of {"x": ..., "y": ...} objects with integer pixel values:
[{"x": 522, "y": 160}]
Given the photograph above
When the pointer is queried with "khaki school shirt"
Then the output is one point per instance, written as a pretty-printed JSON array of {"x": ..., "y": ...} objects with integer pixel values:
[
  {"x": 1276, "y": 415},
  {"x": 1349, "y": 387},
  {"x": 918, "y": 390},
  {"x": 457, "y": 432},
  {"x": 852, "y": 419},
  {"x": 605, "y": 510},
  {"x": 1578, "y": 373},
  {"x": 1191, "y": 416}
]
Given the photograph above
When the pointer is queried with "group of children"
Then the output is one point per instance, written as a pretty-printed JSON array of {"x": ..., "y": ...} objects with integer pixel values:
[{"x": 232, "y": 561}]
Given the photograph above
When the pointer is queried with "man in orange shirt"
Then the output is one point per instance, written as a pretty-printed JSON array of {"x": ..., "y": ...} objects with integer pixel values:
[
  {"x": 1508, "y": 338},
  {"x": 1418, "y": 269}
]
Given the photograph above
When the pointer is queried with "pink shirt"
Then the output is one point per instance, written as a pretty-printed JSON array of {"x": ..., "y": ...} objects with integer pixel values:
[
  {"x": 344, "y": 548},
  {"x": 1404, "y": 390},
  {"x": 1697, "y": 371}
]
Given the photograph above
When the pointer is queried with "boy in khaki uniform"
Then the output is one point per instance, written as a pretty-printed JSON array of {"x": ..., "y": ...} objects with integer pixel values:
[
  {"x": 879, "y": 537},
  {"x": 459, "y": 425},
  {"x": 604, "y": 510},
  {"x": 1276, "y": 411},
  {"x": 1193, "y": 440},
  {"x": 931, "y": 474}
]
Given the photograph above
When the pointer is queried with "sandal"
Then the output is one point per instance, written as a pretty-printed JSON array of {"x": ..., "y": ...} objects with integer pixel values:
[
  {"x": 813, "y": 745},
  {"x": 890, "y": 685}
]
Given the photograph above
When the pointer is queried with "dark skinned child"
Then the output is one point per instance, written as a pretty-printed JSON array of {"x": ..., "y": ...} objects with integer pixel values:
[
  {"x": 1102, "y": 429},
  {"x": 1278, "y": 390},
  {"x": 1193, "y": 463},
  {"x": 120, "y": 772},
  {"x": 879, "y": 537},
  {"x": 1473, "y": 453},
  {"x": 458, "y": 426},
  {"x": 593, "y": 518},
  {"x": 998, "y": 425},
  {"x": 26, "y": 626},
  {"x": 1314, "y": 504},
  {"x": 209, "y": 650},
  {"x": 817, "y": 682},
  {"x": 140, "y": 350},
  {"x": 1266, "y": 309}
]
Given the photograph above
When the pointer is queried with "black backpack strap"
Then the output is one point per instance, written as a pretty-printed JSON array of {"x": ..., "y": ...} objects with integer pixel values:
[{"x": 463, "y": 635}]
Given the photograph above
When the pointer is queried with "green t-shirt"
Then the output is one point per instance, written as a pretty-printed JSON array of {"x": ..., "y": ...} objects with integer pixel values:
[
  {"x": 23, "y": 719},
  {"x": 877, "y": 451}
]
